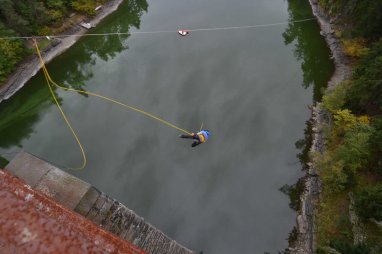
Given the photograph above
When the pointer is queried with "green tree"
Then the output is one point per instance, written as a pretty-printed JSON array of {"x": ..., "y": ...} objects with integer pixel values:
[
  {"x": 368, "y": 19},
  {"x": 376, "y": 145},
  {"x": 12, "y": 19},
  {"x": 332, "y": 173},
  {"x": 56, "y": 15},
  {"x": 11, "y": 52},
  {"x": 57, "y": 4},
  {"x": 368, "y": 203},
  {"x": 340, "y": 246},
  {"x": 86, "y": 6},
  {"x": 366, "y": 92},
  {"x": 334, "y": 99},
  {"x": 355, "y": 151},
  {"x": 362, "y": 16},
  {"x": 349, "y": 149}
]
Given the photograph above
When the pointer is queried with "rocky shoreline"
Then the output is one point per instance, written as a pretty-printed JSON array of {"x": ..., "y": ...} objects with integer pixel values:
[
  {"x": 30, "y": 66},
  {"x": 306, "y": 232}
]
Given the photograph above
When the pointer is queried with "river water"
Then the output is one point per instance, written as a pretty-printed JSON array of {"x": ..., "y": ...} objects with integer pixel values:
[{"x": 250, "y": 87}]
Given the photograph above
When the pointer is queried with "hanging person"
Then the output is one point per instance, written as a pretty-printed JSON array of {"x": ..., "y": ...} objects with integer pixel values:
[{"x": 199, "y": 137}]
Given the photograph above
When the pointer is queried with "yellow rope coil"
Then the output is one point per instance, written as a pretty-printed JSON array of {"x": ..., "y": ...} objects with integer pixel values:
[
  {"x": 50, "y": 81},
  {"x": 47, "y": 77}
]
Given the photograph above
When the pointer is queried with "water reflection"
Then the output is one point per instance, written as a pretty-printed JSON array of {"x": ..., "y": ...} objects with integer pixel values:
[
  {"x": 20, "y": 113},
  {"x": 86, "y": 52},
  {"x": 310, "y": 47},
  {"x": 311, "y": 50}
]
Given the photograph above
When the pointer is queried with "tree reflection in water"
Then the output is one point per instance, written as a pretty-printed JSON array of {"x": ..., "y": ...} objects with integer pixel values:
[
  {"x": 19, "y": 114},
  {"x": 311, "y": 50},
  {"x": 309, "y": 47}
]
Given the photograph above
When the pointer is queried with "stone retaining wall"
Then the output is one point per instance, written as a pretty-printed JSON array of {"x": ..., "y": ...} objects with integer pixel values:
[{"x": 93, "y": 204}]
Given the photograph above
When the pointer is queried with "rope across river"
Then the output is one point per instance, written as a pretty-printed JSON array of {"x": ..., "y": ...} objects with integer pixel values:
[{"x": 160, "y": 31}]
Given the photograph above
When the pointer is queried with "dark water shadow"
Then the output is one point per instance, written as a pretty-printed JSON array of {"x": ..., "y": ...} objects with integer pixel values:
[
  {"x": 311, "y": 50},
  {"x": 309, "y": 47}
]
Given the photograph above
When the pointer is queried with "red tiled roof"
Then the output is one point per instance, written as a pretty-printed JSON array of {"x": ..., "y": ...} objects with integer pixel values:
[{"x": 30, "y": 222}]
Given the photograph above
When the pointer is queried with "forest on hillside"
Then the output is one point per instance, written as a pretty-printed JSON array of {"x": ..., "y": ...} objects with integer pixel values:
[
  {"x": 351, "y": 166},
  {"x": 34, "y": 17}
]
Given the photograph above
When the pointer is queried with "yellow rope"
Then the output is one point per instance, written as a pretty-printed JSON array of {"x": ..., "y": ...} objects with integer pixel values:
[
  {"x": 123, "y": 105},
  {"x": 50, "y": 81},
  {"x": 47, "y": 77}
]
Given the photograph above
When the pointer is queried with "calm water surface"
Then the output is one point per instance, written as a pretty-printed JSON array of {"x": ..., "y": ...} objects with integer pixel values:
[{"x": 250, "y": 87}]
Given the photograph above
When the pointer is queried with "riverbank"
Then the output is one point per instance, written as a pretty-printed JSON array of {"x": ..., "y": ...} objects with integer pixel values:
[
  {"x": 31, "y": 65},
  {"x": 306, "y": 237}
]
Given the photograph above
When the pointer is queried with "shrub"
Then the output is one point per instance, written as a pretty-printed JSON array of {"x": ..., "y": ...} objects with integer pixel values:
[
  {"x": 348, "y": 248},
  {"x": 355, "y": 47},
  {"x": 333, "y": 176},
  {"x": 376, "y": 144},
  {"x": 349, "y": 149},
  {"x": 365, "y": 93},
  {"x": 85, "y": 6},
  {"x": 368, "y": 202},
  {"x": 11, "y": 52},
  {"x": 344, "y": 120},
  {"x": 334, "y": 99},
  {"x": 363, "y": 16},
  {"x": 355, "y": 151},
  {"x": 341, "y": 246},
  {"x": 367, "y": 18},
  {"x": 44, "y": 31}
]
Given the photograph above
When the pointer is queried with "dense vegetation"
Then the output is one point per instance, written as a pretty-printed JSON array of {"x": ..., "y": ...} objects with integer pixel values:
[
  {"x": 33, "y": 17},
  {"x": 351, "y": 166},
  {"x": 362, "y": 17}
]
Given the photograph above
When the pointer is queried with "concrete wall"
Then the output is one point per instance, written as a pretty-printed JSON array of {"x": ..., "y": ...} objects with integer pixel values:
[{"x": 93, "y": 204}]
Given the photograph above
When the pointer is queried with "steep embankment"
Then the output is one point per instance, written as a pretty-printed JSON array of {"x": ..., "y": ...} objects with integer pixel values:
[
  {"x": 306, "y": 239},
  {"x": 341, "y": 205},
  {"x": 30, "y": 66}
]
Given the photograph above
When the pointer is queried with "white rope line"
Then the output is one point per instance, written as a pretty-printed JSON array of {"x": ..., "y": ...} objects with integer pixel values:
[
  {"x": 156, "y": 32},
  {"x": 245, "y": 27}
]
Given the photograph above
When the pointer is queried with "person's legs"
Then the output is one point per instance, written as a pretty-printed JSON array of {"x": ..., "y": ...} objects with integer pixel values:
[
  {"x": 189, "y": 136},
  {"x": 195, "y": 143},
  {"x": 186, "y": 136}
]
